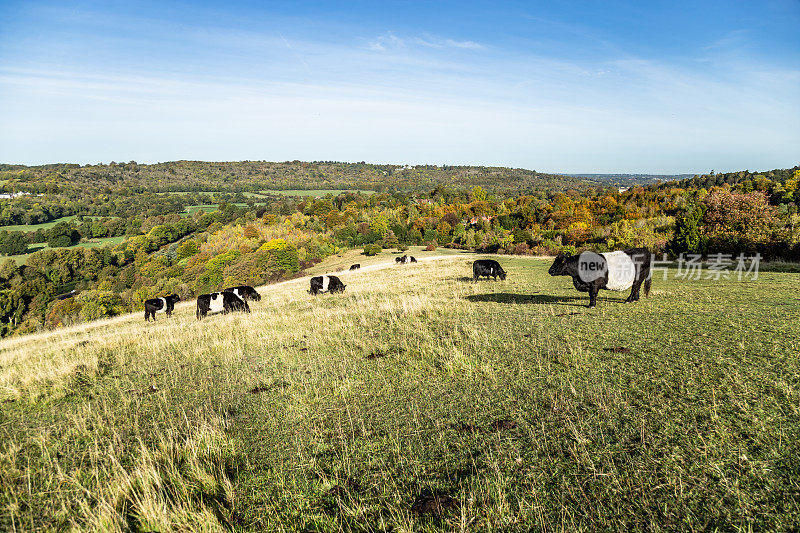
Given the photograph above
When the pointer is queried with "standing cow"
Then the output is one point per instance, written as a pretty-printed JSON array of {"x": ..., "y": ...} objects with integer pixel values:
[
  {"x": 220, "y": 302},
  {"x": 320, "y": 284},
  {"x": 614, "y": 271},
  {"x": 245, "y": 292},
  {"x": 488, "y": 268},
  {"x": 155, "y": 305},
  {"x": 404, "y": 259}
]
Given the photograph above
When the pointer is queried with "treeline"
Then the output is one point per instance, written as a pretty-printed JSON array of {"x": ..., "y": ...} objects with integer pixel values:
[
  {"x": 779, "y": 184},
  {"x": 253, "y": 176}
]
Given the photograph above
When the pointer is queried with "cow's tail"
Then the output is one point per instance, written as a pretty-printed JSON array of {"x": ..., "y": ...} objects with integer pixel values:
[
  {"x": 198, "y": 313},
  {"x": 648, "y": 281}
]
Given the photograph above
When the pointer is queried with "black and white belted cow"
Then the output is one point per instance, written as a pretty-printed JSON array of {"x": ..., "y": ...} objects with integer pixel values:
[
  {"x": 220, "y": 302},
  {"x": 244, "y": 292},
  {"x": 160, "y": 305},
  {"x": 488, "y": 268},
  {"x": 355, "y": 267},
  {"x": 404, "y": 259},
  {"x": 614, "y": 271},
  {"x": 320, "y": 284}
]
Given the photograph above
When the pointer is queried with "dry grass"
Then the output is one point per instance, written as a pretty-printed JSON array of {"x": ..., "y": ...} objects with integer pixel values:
[{"x": 339, "y": 412}]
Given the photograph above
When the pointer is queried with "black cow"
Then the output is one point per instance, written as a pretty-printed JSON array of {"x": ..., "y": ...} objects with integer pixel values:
[
  {"x": 405, "y": 259},
  {"x": 616, "y": 271},
  {"x": 488, "y": 268},
  {"x": 245, "y": 292},
  {"x": 165, "y": 304},
  {"x": 216, "y": 302},
  {"x": 326, "y": 284},
  {"x": 355, "y": 267}
]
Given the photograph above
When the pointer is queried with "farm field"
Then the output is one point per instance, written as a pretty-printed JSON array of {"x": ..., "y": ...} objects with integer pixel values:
[
  {"x": 43, "y": 225},
  {"x": 520, "y": 407},
  {"x": 190, "y": 210},
  {"x": 21, "y": 259},
  {"x": 288, "y": 192},
  {"x": 315, "y": 192},
  {"x": 34, "y": 227}
]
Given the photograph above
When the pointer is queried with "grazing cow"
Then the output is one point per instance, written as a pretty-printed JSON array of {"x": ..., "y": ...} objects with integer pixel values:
[
  {"x": 245, "y": 292},
  {"x": 326, "y": 284},
  {"x": 615, "y": 271},
  {"x": 165, "y": 304},
  {"x": 405, "y": 259},
  {"x": 488, "y": 268},
  {"x": 220, "y": 302},
  {"x": 355, "y": 267}
]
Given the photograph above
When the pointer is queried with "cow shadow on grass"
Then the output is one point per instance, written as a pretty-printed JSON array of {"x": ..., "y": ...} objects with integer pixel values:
[{"x": 512, "y": 298}]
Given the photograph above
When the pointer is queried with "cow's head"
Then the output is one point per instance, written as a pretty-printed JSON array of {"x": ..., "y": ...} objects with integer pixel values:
[
  {"x": 174, "y": 297},
  {"x": 255, "y": 296},
  {"x": 558, "y": 268},
  {"x": 502, "y": 274}
]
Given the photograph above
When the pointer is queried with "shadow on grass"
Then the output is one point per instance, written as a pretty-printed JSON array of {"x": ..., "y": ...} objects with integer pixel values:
[{"x": 511, "y": 298}]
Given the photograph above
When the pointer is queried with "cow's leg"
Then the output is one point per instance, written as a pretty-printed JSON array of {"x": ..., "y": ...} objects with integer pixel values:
[
  {"x": 147, "y": 315},
  {"x": 634, "y": 296},
  {"x": 593, "y": 290}
]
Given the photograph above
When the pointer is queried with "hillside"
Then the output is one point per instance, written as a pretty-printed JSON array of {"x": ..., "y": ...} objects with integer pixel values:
[
  {"x": 254, "y": 176},
  {"x": 341, "y": 412}
]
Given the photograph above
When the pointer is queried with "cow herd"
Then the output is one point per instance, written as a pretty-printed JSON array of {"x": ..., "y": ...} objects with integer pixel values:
[{"x": 590, "y": 272}]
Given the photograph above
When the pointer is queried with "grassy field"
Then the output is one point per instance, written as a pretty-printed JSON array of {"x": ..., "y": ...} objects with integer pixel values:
[
  {"x": 415, "y": 401},
  {"x": 34, "y": 227},
  {"x": 315, "y": 192},
  {"x": 289, "y": 192},
  {"x": 190, "y": 210},
  {"x": 43, "y": 225},
  {"x": 92, "y": 243}
]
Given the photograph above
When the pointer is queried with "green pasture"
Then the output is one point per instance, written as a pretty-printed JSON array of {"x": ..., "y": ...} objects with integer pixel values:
[
  {"x": 417, "y": 400},
  {"x": 92, "y": 243}
]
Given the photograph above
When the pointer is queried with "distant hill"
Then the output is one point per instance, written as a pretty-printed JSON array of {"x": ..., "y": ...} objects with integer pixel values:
[
  {"x": 628, "y": 180},
  {"x": 243, "y": 176}
]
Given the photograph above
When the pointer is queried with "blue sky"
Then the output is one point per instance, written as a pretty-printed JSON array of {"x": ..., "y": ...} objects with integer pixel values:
[{"x": 658, "y": 87}]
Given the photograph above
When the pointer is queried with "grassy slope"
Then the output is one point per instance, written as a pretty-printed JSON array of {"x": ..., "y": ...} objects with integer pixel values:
[{"x": 364, "y": 401}]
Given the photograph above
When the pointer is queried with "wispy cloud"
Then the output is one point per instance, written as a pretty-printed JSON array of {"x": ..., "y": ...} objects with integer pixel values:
[{"x": 390, "y": 41}]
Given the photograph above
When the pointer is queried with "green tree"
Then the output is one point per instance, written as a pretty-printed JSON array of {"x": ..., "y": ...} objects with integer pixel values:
[
  {"x": 187, "y": 249},
  {"x": 688, "y": 237},
  {"x": 372, "y": 249},
  {"x": 283, "y": 254},
  {"x": 61, "y": 235},
  {"x": 13, "y": 243},
  {"x": 99, "y": 304},
  {"x": 478, "y": 194}
]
